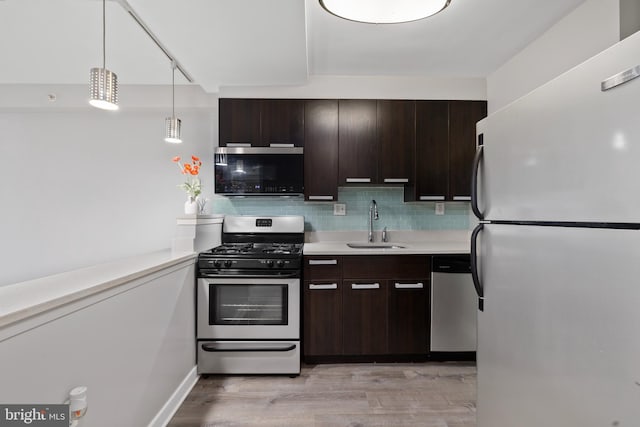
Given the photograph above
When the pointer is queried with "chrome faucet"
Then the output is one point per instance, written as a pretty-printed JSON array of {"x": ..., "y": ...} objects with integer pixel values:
[{"x": 373, "y": 215}]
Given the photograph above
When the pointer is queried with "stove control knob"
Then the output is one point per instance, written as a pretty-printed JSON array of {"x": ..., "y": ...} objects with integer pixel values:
[
  {"x": 227, "y": 263},
  {"x": 217, "y": 264},
  {"x": 269, "y": 263},
  {"x": 280, "y": 263}
]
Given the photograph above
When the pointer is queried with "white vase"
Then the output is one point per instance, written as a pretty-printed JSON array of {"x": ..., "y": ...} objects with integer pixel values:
[{"x": 190, "y": 206}]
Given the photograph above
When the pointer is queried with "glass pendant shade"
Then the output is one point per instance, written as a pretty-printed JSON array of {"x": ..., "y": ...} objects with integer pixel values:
[
  {"x": 173, "y": 130},
  {"x": 104, "y": 89},
  {"x": 384, "y": 11}
]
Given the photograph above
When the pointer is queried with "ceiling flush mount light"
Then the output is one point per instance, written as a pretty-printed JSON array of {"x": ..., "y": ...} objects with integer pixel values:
[
  {"x": 103, "y": 83},
  {"x": 384, "y": 11},
  {"x": 173, "y": 123}
]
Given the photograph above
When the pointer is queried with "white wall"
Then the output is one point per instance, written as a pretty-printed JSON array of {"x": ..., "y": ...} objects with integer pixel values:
[
  {"x": 369, "y": 87},
  {"x": 589, "y": 29},
  {"x": 132, "y": 346},
  {"x": 81, "y": 186}
]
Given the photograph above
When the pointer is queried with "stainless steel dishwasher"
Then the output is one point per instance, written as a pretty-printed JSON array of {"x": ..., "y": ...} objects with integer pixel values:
[{"x": 453, "y": 308}]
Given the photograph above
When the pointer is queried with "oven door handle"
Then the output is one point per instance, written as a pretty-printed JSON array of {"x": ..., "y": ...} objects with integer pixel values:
[
  {"x": 213, "y": 348},
  {"x": 222, "y": 275}
]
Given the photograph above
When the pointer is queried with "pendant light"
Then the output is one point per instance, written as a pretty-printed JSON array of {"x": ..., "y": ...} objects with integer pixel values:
[
  {"x": 173, "y": 123},
  {"x": 104, "y": 83},
  {"x": 383, "y": 11}
]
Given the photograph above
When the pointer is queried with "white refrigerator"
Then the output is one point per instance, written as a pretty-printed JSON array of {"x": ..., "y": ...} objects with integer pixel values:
[{"x": 556, "y": 254}]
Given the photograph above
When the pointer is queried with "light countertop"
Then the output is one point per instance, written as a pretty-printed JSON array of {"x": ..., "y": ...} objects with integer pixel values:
[
  {"x": 25, "y": 299},
  {"x": 412, "y": 242}
]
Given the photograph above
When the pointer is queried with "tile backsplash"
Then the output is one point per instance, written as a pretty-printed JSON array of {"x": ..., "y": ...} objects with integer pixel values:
[{"x": 393, "y": 212}]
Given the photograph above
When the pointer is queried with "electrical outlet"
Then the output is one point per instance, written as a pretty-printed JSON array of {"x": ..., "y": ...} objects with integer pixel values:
[
  {"x": 339, "y": 209},
  {"x": 440, "y": 208}
]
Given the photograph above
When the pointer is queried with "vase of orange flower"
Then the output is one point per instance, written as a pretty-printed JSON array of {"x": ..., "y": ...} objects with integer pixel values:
[{"x": 192, "y": 185}]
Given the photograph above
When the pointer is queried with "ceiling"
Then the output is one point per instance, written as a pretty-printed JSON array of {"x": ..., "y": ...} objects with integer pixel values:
[{"x": 258, "y": 42}]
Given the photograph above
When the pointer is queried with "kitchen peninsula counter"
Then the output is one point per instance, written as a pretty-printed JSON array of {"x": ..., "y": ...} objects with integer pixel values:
[{"x": 21, "y": 301}]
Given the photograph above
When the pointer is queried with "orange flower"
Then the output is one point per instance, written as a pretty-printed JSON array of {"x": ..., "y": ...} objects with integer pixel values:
[{"x": 192, "y": 186}]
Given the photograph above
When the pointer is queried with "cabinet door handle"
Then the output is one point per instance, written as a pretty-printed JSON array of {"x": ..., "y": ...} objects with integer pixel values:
[
  {"x": 431, "y": 197},
  {"x": 238, "y": 144},
  {"x": 323, "y": 262},
  {"x": 396, "y": 180},
  {"x": 365, "y": 286},
  {"x": 358, "y": 179},
  {"x": 320, "y": 197},
  {"x": 322, "y": 287},
  {"x": 461, "y": 198},
  {"x": 280, "y": 145},
  {"x": 409, "y": 285}
]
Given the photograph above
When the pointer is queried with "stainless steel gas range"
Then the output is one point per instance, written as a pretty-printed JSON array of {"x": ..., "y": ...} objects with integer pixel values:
[{"x": 248, "y": 297}]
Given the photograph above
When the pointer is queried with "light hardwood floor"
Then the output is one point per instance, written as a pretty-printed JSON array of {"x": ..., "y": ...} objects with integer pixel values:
[{"x": 353, "y": 395}]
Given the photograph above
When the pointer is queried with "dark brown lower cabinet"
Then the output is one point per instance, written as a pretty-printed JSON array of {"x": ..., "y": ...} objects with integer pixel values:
[
  {"x": 365, "y": 317},
  {"x": 377, "y": 307},
  {"x": 322, "y": 330},
  {"x": 408, "y": 331}
]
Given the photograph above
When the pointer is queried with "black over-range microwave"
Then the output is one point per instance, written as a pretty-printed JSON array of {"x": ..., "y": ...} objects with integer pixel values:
[{"x": 259, "y": 171}]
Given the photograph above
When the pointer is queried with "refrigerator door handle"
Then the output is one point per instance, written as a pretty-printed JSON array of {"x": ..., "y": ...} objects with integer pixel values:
[
  {"x": 474, "y": 182},
  {"x": 474, "y": 266}
]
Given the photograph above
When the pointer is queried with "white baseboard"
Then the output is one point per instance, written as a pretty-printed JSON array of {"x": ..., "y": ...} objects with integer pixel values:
[{"x": 165, "y": 414}]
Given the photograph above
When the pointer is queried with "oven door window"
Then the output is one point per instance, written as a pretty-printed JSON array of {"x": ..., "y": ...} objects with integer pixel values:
[{"x": 248, "y": 304}]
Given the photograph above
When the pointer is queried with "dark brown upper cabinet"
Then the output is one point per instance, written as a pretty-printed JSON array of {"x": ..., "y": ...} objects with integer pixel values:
[
  {"x": 321, "y": 150},
  {"x": 445, "y": 147},
  {"x": 282, "y": 122},
  {"x": 432, "y": 151},
  {"x": 239, "y": 121},
  {"x": 463, "y": 116},
  {"x": 261, "y": 122},
  {"x": 358, "y": 147},
  {"x": 396, "y": 141},
  {"x": 377, "y": 141}
]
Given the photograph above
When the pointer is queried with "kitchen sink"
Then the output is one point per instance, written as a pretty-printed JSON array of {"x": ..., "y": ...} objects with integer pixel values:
[{"x": 374, "y": 246}]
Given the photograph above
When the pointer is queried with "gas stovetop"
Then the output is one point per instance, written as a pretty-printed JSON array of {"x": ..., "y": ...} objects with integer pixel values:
[
  {"x": 256, "y": 246},
  {"x": 257, "y": 250},
  {"x": 247, "y": 258}
]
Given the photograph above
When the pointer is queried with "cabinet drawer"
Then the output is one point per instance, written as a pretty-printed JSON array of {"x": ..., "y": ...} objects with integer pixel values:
[
  {"x": 386, "y": 266},
  {"x": 322, "y": 267}
]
